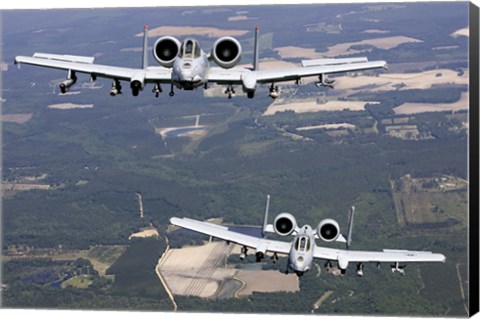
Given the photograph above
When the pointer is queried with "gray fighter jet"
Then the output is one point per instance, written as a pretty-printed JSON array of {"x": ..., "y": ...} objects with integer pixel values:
[
  {"x": 184, "y": 65},
  {"x": 303, "y": 249}
]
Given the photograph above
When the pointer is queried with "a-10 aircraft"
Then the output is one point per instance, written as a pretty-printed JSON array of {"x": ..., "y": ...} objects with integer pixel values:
[
  {"x": 303, "y": 249},
  {"x": 186, "y": 66}
]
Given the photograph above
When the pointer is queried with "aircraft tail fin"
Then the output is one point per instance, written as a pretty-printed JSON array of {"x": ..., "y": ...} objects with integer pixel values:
[
  {"x": 350, "y": 227},
  {"x": 256, "y": 49},
  {"x": 265, "y": 219},
  {"x": 145, "y": 48}
]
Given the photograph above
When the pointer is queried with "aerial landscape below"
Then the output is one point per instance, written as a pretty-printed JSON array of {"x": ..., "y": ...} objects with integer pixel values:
[{"x": 95, "y": 184}]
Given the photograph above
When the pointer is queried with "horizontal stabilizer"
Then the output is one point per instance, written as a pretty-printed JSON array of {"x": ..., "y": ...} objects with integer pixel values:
[
  {"x": 65, "y": 58},
  {"x": 319, "y": 62}
]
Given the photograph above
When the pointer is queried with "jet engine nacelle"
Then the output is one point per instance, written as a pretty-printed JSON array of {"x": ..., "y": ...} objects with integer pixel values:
[
  {"x": 328, "y": 230},
  {"x": 284, "y": 224},
  {"x": 165, "y": 50},
  {"x": 226, "y": 52}
]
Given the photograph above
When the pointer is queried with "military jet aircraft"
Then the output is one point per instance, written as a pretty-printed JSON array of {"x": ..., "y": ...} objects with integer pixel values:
[
  {"x": 303, "y": 249},
  {"x": 186, "y": 66}
]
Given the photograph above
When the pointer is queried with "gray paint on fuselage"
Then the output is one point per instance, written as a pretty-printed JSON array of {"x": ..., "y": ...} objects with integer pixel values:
[
  {"x": 190, "y": 70},
  {"x": 301, "y": 254}
]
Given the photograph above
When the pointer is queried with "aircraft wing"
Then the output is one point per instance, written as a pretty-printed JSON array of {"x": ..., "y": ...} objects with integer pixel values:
[
  {"x": 85, "y": 65},
  {"x": 387, "y": 255},
  {"x": 231, "y": 236},
  {"x": 248, "y": 77},
  {"x": 288, "y": 74}
]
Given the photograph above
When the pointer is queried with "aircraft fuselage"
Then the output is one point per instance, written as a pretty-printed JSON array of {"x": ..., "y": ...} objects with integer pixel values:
[
  {"x": 190, "y": 68},
  {"x": 301, "y": 254}
]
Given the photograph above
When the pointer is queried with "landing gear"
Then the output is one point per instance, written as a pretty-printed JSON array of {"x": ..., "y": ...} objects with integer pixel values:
[
  {"x": 328, "y": 265},
  {"x": 250, "y": 94},
  {"x": 243, "y": 253},
  {"x": 171, "y": 93},
  {"x": 230, "y": 91},
  {"x": 273, "y": 91},
  {"x": 360, "y": 270},
  {"x": 116, "y": 88},
  {"x": 397, "y": 268},
  {"x": 323, "y": 81},
  {"x": 274, "y": 258},
  {"x": 157, "y": 89}
]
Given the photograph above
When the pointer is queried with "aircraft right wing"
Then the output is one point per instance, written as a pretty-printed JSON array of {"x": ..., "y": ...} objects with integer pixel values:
[
  {"x": 85, "y": 65},
  {"x": 260, "y": 244}
]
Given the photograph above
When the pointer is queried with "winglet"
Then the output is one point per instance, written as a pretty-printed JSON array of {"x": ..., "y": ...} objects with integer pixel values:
[
  {"x": 265, "y": 219},
  {"x": 350, "y": 227},
  {"x": 256, "y": 49},
  {"x": 145, "y": 47}
]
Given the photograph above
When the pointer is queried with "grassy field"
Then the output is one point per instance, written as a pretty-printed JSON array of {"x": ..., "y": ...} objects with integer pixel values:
[{"x": 431, "y": 201}]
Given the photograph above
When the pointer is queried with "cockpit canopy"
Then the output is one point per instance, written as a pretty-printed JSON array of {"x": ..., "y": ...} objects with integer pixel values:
[
  {"x": 302, "y": 244},
  {"x": 190, "y": 49}
]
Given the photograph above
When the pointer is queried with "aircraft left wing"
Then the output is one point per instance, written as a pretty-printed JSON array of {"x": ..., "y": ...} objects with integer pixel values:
[
  {"x": 288, "y": 74},
  {"x": 394, "y": 256},
  {"x": 260, "y": 244},
  {"x": 249, "y": 78},
  {"x": 85, "y": 65}
]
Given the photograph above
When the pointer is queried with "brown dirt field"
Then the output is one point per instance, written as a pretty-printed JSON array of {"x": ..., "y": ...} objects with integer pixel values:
[
  {"x": 412, "y": 108},
  {"x": 240, "y": 18},
  {"x": 389, "y": 81},
  {"x": 196, "y": 271},
  {"x": 375, "y": 31},
  {"x": 192, "y": 31},
  {"x": 69, "y": 106},
  {"x": 326, "y": 126},
  {"x": 267, "y": 281},
  {"x": 151, "y": 232},
  {"x": 302, "y": 106},
  {"x": 194, "y": 134},
  {"x": 24, "y": 187},
  {"x": 343, "y": 48},
  {"x": 20, "y": 118}
]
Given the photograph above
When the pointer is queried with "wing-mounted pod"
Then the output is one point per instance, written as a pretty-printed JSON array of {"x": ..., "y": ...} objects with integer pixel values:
[
  {"x": 137, "y": 83},
  {"x": 328, "y": 230},
  {"x": 284, "y": 224},
  {"x": 69, "y": 82},
  {"x": 226, "y": 52},
  {"x": 165, "y": 50}
]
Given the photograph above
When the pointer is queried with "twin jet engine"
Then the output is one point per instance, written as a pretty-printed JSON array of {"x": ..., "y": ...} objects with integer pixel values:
[
  {"x": 285, "y": 224},
  {"x": 226, "y": 51}
]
